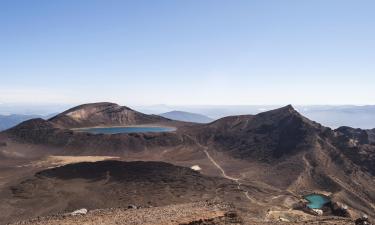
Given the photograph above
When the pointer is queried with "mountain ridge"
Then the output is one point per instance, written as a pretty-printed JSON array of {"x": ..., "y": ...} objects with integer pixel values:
[{"x": 103, "y": 114}]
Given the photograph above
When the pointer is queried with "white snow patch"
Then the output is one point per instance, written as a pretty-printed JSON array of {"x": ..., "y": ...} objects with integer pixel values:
[
  {"x": 79, "y": 212},
  {"x": 196, "y": 168},
  {"x": 318, "y": 212}
]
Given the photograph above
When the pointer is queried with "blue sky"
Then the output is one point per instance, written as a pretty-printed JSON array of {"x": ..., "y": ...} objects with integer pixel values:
[{"x": 187, "y": 52}]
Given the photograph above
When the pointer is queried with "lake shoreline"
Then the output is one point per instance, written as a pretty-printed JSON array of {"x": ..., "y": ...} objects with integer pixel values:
[{"x": 125, "y": 129}]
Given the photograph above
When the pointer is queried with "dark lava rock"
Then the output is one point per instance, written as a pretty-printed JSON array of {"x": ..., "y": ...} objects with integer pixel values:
[
  {"x": 338, "y": 210},
  {"x": 362, "y": 221}
]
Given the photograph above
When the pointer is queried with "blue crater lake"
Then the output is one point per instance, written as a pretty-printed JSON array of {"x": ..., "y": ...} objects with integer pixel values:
[
  {"x": 124, "y": 130},
  {"x": 316, "y": 201}
]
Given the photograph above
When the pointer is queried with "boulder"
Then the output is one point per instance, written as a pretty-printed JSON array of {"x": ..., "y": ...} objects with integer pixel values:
[
  {"x": 339, "y": 209},
  {"x": 132, "y": 207},
  {"x": 362, "y": 221},
  {"x": 318, "y": 212}
]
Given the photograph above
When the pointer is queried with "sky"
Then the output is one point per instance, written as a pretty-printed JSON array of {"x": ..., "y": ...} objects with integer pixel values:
[{"x": 187, "y": 52}]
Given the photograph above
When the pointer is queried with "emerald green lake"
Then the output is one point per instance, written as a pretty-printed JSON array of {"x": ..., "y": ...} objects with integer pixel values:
[{"x": 316, "y": 201}]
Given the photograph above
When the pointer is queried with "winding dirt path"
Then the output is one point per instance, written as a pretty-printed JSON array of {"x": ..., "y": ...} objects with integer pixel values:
[
  {"x": 218, "y": 166},
  {"x": 224, "y": 174}
]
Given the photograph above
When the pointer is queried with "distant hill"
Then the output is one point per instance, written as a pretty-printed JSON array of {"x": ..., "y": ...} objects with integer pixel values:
[
  {"x": 8, "y": 121},
  {"x": 187, "y": 117}
]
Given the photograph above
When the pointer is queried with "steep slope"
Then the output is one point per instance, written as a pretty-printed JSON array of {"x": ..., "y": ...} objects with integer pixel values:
[
  {"x": 275, "y": 141},
  {"x": 187, "y": 117},
  {"x": 358, "y": 145},
  {"x": 356, "y": 136},
  {"x": 265, "y": 136},
  {"x": 371, "y": 135},
  {"x": 103, "y": 114}
]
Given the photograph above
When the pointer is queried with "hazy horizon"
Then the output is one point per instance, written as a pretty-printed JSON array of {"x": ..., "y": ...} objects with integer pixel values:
[
  {"x": 48, "y": 108},
  {"x": 328, "y": 115}
]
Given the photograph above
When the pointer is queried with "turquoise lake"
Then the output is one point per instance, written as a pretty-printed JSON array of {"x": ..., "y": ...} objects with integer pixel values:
[
  {"x": 316, "y": 201},
  {"x": 122, "y": 130}
]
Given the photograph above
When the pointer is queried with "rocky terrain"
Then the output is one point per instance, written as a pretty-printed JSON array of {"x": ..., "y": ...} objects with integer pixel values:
[
  {"x": 197, "y": 213},
  {"x": 180, "y": 214},
  {"x": 266, "y": 162},
  {"x": 371, "y": 136}
]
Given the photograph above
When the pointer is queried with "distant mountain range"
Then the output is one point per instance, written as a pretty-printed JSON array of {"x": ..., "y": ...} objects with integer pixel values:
[
  {"x": 187, "y": 117},
  {"x": 8, "y": 121},
  {"x": 332, "y": 116},
  {"x": 336, "y": 116}
]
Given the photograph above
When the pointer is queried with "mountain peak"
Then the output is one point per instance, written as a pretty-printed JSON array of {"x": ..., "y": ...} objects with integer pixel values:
[
  {"x": 93, "y": 105},
  {"x": 281, "y": 112},
  {"x": 102, "y": 114},
  {"x": 287, "y": 108}
]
